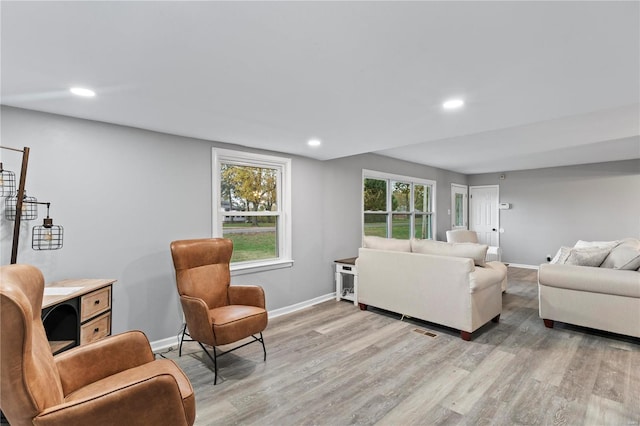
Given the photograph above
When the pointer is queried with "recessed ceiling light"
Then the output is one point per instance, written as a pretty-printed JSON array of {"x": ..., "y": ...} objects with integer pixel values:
[
  {"x": 453, "y": 104},
  {"x": 81, "y": 91},
  {"x": 314, "y": 142}
]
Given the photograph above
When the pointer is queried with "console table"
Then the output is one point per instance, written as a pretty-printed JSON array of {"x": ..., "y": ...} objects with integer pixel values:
[
  {"x": 76, "y": 312},
  {"x": 346, "y": 268}
]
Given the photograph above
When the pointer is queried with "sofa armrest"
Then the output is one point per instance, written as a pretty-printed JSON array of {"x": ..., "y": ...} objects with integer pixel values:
[
  {"x": 196, "y": 313},
  {"x": 490, "y": 275},
  {"x": 591, "y": 279},
  {"x": 151, "y": 400},
  {"x": 89, "y": 363},
  {"x": 251, "y": 295}
]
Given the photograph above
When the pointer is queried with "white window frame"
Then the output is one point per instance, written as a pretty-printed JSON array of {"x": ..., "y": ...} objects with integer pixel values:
[
  {"x": 390, "y": 177},
  {"x": 283, "y": 165}
]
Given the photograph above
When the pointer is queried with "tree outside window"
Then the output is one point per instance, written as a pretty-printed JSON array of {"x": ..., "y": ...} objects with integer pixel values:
[
  {"x": 397, "y": 206},
  {"x": 252, "y": 202}
]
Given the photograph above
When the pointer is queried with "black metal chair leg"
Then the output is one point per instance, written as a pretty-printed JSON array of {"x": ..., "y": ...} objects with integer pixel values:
[
  {"x": 184, "y": 330},
  {"x": 263, "y": 347},
  {"x": 214, "y": 359}
]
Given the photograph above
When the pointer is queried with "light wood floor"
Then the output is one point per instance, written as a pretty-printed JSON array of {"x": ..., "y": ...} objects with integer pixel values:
[{"x": 332, "y": 364}]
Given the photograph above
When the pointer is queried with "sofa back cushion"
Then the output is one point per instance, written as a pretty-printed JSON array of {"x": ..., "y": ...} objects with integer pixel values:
[
  {"x": 585, "y": 244},
  {"x": 625, "y": 255},
  {"x": 380, "y": 243},
  {"x": 477, "y": 252}
]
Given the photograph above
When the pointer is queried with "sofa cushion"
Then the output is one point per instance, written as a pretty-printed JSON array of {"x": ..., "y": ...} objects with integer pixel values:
[
  {"x": 625, "y": 255},
  {"x": 585, "y": 244},
  {"x": 561, "y": 255},
  {"x": 380, "y": 243},
  {"x": 587, "y": 256},
  {"x": 591, "y": 279},
  {"x": 477, "y": 252}
]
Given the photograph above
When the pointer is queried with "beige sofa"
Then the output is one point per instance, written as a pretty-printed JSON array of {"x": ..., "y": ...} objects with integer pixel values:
[
  {"x": 604, "y": 297},
  {"x": 408, "y": 278}
]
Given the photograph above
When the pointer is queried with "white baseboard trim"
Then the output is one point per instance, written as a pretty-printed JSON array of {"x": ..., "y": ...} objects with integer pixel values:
[
  {"x": 163, "y": 344},
  {"x": 520, "y": 265},
  {"x": 289, "y": 309}
]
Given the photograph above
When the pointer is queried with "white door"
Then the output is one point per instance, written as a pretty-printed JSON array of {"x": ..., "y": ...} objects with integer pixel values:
[
  {"x": 459, "y": 206},
  {"x": 483, "y": 213}
]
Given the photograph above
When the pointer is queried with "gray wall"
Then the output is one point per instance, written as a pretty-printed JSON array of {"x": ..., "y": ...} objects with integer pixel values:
[
  {"x": 123, "y": 194},
  {"x": 557, "y": 206}
]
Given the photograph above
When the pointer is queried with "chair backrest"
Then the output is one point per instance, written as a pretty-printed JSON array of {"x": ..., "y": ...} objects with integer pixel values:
[
  {"x": 462, "y": 236},
  {"x": 29, "y": 379},
  {"x": 202, "y": 269}
]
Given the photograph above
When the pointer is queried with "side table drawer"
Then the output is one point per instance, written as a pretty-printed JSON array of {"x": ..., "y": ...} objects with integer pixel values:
[
  {"x": 95, "y": 303},
  {"x": 347, "y": 269},
  {"x": 95, "y": 329}
]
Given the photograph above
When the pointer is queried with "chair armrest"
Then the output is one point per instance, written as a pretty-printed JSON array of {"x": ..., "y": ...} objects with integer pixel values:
[
  {"x": 196, "y": 313},
  {"x": 251, "y": 295},
  {"x": 150, "y": 400},
  {"x": 89, "y": 363}
]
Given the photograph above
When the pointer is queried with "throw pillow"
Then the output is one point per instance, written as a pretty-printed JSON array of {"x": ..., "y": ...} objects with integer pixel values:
[
  {"x": 392, "y": 244},
  {"x": 477, "y": 252},
  {"x": 624, "y": 256},
  {"x": 588, "y": 256}
]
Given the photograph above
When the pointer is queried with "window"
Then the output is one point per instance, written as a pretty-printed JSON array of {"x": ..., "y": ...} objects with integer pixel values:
[
  {"x": 397, "y": 206},
  {"x": 251, "y": 206}
]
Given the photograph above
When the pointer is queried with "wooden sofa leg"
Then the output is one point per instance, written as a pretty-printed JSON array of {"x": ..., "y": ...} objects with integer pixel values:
[
  {"x": 548, "y": 323},
  {"x": 465, "y": 335},
  {"x": 496, "y": 318},
  {"x": 362, "y": 306}
]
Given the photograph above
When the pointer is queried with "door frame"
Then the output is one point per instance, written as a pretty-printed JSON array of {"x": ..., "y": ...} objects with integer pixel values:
[
  {"x": 465, "y": 209},
  {"x": 497, "y": 187}
]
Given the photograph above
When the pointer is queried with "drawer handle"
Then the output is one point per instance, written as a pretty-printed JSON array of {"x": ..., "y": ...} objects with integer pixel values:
[
  {"x": 95, "y": 330},
  {"x": 97, "y": 302}
]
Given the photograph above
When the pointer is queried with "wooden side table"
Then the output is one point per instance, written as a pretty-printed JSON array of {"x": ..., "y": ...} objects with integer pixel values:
[
  {"x": 76, "y": 312},
  {"x": 346, "y": 268}
]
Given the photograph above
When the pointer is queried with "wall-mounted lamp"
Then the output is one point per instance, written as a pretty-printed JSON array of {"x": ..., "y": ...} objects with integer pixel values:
[
  {"x": 47, "y": 236},
  {"x": 7, "y": 182},
  {"x": 29, "y": 208}
]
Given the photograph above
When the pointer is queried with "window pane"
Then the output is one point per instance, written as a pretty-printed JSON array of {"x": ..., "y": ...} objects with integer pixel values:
[
  {"x": 458, "y": 219},
  {"x": 375, "y": 225},
  {"x": 423, "y": 227},
  {"x": 375, "y": 195},
  {"x": 247, "y": 188},
  {"x": 419, "y": 198},
  {"x": 401, "y": 224},
  {"x": 400, "y": 196},
  {"x": 254, "y": 238}
]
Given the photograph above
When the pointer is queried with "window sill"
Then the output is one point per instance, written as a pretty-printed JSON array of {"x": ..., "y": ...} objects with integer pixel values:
[{"x": 254, "y": 267}]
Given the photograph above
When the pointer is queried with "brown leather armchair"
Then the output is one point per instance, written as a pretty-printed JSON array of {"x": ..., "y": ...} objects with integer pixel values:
[
  {"x": 216, "y": 313},
  {"x": 107, "y": 382}
]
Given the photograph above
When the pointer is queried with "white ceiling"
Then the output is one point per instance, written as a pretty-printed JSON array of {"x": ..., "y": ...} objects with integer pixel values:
[{"x": 545, "y": 83}]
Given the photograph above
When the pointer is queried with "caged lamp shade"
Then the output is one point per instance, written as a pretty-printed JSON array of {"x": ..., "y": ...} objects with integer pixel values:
[
  {"x": 7, "y": 183},
  {"x": 29, "y": 208},
  {"x": 47, "y": 236}
]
